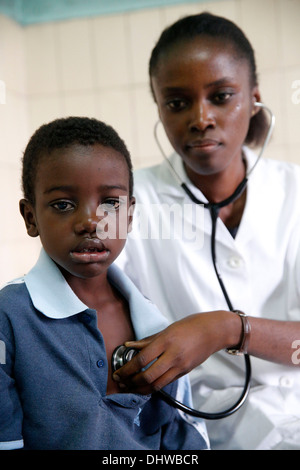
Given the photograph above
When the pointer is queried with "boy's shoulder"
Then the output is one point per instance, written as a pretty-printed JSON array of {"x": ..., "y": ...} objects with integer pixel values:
[
  {"x": 11, "y": 288},
  {"x": 14, "y": 296}
]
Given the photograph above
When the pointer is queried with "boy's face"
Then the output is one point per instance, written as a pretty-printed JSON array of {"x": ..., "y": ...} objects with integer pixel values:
[{"x": 82, "y": 211}]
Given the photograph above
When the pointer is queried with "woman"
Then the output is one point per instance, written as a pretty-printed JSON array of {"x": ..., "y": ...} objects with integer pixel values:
[{"x": 204, "y": 81}]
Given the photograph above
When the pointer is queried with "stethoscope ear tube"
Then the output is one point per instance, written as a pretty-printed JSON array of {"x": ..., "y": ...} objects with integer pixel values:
[{"x": 214, "y": 212}]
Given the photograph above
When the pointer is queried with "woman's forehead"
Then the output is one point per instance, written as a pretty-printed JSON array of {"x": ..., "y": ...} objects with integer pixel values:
[
  {"x": 211, "y": 59},
  {"x": 201, "y": 47}
]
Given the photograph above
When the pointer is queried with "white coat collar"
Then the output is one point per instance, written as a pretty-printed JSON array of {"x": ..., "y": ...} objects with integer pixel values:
[{"x": 167, "y": 184}]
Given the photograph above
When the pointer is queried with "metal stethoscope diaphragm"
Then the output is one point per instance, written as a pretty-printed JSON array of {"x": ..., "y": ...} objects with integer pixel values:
[{"x": 122, "y": 354}]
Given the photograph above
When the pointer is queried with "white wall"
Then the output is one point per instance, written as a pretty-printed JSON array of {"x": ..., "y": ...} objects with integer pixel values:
[{"x": 98, "y": 67}]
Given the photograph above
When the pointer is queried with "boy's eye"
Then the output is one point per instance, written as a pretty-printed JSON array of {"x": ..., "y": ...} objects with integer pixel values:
[
  {"x": 62, "y": 206},
  {"x": 111, "y": 205}
]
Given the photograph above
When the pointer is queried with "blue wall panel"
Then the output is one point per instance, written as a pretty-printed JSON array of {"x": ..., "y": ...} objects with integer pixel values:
[{"x": 35, "y": 11}]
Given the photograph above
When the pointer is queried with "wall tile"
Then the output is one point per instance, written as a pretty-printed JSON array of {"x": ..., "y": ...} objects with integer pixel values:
[
  {"x": 79, "y": 104},
  {"x": 10, "y": 194},
  {"x": 262, "y": 35},
  {"x": 145, "y": 122},
  {"x": 74, "y": 56},
  {"x": 14, "y": 128},
  {"x": 43, "y": 109},
  {"x": 41, "y": 53},
  {"x": 116, "y": 108},
  {"x": 289, "y": 30},
  {"x": 144, "y": 30},
  {"x": 12, "y": 55},
  {"x": 110, "y": 49},
  {"x": 18, "y": 257}
]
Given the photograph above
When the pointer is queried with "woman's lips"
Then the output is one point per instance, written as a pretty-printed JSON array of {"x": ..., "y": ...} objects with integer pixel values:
[
  {"x": 204, "y": 144},
  {"x": 90, "y": 250}
]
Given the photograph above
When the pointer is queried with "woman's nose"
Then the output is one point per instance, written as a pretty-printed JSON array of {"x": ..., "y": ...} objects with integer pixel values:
[{"x": 202, "y": 117}]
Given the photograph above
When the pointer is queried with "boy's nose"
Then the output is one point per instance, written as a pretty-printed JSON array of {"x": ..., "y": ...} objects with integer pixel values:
[{"x": 86, "y": 223}]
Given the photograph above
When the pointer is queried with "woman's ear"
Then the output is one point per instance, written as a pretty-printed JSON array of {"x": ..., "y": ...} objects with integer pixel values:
[
  {"x": 28, "y": 214},
  {"x": 130, "y": 214},
  {"x": 255, "y": 99}
]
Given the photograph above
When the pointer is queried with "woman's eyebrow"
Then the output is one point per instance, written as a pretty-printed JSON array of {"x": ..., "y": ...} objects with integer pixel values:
[
  {"x": 178, "y": 89},
  {"x": 219, "y": 82}
]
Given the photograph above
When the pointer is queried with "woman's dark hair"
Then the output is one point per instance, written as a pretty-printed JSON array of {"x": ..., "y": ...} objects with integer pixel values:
[
  {"x": 217, "y": 27},
  {"x": 63, "y": 133}
]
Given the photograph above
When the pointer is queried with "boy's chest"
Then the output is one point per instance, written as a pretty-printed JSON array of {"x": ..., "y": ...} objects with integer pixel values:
[{"x": 116, "y": 328}]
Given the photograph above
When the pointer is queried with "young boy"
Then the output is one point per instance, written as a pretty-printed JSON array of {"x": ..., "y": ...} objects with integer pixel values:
[{"x": 62, "y": 321}]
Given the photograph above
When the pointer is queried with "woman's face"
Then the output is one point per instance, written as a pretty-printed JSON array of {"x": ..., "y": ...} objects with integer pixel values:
[{"x": 205, "y": 103}]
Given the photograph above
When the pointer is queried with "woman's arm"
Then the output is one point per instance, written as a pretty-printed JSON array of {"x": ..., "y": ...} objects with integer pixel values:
[{"x": 189, "y": 342}]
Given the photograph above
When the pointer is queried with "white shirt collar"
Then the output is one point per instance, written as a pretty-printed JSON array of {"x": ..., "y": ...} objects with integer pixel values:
[{"x": 52, "y": 295}]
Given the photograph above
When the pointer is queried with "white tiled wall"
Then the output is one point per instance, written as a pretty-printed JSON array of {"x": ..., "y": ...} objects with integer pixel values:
[{"x": 98, "y": 67}]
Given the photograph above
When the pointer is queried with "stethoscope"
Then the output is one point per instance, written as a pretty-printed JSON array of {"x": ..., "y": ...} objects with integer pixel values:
[{"x": 122, "y": 354}]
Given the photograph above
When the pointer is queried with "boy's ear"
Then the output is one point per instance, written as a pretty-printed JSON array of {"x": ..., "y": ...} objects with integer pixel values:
[
  {"x": 28, "y": 214},
  {"x": 130, "y": 213}
]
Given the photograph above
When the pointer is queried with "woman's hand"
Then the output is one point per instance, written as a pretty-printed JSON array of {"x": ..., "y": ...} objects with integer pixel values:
[
  {"x": 189, "y": 342},
  {"x": 177, "y": 350}
]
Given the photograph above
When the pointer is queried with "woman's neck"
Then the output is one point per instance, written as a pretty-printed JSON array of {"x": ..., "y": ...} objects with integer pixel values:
[{"x": 219, "y": 186}]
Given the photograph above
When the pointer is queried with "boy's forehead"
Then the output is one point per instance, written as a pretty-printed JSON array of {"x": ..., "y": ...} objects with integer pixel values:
[
  {"x": 83, "y": 162},
  {"x": 75, "y": 153}
]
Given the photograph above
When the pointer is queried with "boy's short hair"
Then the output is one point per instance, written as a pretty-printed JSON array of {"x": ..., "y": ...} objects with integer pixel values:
[{"x": 62, "y": 133}]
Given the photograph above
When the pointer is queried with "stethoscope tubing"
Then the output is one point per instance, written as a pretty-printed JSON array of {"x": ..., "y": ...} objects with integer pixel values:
[{"x": 214, "y": 212}]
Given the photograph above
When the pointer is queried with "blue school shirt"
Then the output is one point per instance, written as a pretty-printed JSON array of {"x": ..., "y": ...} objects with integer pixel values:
[{"x": 53, "y": 373}]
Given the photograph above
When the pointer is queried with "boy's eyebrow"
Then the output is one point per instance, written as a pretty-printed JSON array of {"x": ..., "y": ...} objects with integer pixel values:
[
  {"x": 66, "y": 188},
  {"x": 58, "y": 188}
]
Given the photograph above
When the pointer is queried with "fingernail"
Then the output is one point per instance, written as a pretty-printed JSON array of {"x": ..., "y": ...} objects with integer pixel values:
[{"x": 116, "y": 378}]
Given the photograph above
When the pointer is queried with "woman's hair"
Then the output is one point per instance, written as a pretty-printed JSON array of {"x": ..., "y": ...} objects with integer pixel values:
[
  {"x": 63, "y": 133},
  {"x": 206, "y": 24}
]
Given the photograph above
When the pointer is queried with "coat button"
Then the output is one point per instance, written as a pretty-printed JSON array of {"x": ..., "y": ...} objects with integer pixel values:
[
  {"x": 100, "y": 363},
  {"x": 235, "y": 262}
]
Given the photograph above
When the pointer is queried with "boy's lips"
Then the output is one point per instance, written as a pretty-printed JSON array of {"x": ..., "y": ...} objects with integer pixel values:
[{"x": 89, "y": 250}]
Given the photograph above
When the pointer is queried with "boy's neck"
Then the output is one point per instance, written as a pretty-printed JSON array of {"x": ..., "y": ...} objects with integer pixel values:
[{"x": 93, "y": 291}]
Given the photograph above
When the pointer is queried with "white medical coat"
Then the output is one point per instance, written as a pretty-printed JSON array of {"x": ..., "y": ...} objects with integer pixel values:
[{"x": 261, "y": 271}]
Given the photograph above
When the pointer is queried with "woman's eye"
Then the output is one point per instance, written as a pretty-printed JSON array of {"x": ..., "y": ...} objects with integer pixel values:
[
  {"x": 176, "y": 104},
  {"x": 222, "y": 97},
  {"x": 62, "y": 206}
]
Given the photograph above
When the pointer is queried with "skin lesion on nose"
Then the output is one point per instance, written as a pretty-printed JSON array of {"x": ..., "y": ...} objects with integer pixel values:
[{"x": 88, "y": 225}]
